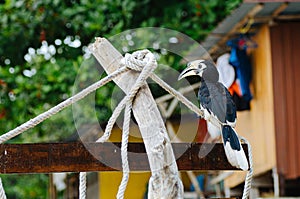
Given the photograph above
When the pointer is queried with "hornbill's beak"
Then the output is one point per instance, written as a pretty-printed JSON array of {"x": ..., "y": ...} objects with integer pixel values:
[{"x": 192, "y": 69}]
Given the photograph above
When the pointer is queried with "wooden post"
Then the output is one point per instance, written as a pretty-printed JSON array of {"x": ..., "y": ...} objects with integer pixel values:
[
  {"x": 164, "y": 181},
  {"x": 52, "y": 190}
]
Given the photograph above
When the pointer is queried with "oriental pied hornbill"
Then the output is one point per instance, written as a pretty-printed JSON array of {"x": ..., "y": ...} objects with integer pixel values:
[{"x": 217, "y": 104}]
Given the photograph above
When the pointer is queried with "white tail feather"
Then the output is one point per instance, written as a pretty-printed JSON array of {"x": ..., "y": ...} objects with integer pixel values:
[{"x": 236, "y": 158}]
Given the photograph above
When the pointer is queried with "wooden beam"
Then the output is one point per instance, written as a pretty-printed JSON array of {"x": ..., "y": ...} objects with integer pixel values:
[
  {"x": 266, "y": 19},
  {"x": 251, "y": 14},
  {"x": 78, "y": 157},
  {"x": 288, "y": 17},
  {"x": 236, "y": 28},
  {"x": 280, "y": 9}
]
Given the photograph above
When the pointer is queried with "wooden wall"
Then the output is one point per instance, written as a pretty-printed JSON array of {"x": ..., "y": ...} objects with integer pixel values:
[
  {"x": 257, "y": 125},
  {"x": 285, "y": 40}
]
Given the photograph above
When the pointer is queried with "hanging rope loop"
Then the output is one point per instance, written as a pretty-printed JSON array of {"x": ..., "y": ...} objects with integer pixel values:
[{"x": 82, "y": 185}]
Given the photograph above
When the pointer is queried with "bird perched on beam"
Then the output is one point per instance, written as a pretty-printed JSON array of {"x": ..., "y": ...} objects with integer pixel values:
[{"x": 217, "y": 105}]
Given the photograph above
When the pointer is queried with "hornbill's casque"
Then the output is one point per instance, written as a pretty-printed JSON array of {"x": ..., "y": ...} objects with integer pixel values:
[{"x": 217, "y": 104}]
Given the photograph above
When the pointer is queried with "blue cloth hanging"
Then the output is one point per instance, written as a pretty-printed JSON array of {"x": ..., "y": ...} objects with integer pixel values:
[{"x": 240, "y": 60}]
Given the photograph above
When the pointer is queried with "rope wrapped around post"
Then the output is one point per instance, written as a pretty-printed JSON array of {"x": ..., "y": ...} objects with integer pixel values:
[
  {"x": 145, "y": 62},
  {"x": 133, "y": 62}
]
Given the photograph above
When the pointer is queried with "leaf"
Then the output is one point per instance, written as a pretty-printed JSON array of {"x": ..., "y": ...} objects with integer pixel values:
[{"x": 46, "y": 88}]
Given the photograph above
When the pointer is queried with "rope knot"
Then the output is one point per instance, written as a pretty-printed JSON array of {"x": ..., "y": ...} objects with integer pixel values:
[{"x": 139, "y": 60}]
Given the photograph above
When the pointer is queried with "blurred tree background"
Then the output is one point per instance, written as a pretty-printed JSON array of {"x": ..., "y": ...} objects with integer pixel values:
[{"x": 44, "y": 42}]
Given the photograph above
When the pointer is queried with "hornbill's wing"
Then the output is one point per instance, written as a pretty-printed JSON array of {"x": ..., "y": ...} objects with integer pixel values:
[{"x": 213, "y": 98}]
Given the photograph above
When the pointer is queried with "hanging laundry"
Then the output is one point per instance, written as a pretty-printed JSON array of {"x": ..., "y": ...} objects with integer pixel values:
[
  {"x": 240, "y": 102},
  {"x": 227, "y": 76},
  {"x": 226, "y": 71},
  {"x": 240, "y": 60},
  {"x": 235, "y": 88}
]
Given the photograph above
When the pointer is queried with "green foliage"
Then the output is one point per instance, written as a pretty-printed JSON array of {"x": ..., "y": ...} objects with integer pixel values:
[
  {"x": 25, "y": 24},
  {"x": 40, "y": 59},
  {"x": 29, "y": 186}
]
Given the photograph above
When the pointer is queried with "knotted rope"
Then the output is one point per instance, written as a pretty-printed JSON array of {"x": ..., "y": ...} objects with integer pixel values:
[{"x": 144, "y": 62}]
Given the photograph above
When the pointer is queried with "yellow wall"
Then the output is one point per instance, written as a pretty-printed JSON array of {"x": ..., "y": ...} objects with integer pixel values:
[
  {"x": 257, "y": 125},
  {"x": 109, "y": 182}
]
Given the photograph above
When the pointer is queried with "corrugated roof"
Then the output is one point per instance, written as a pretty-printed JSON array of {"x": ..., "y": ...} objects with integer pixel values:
[
  {"x": 264, "y": 13},
  {"x": 236, "y": 16}
]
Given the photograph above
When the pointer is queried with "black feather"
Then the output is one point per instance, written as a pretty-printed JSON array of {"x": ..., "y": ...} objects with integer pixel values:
[
  {"x": 230, "y": 136},
  {"x": 217, "y": 100}
]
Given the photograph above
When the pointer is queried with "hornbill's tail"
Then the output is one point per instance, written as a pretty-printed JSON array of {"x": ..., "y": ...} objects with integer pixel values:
[{"x": 233, "y": 148}]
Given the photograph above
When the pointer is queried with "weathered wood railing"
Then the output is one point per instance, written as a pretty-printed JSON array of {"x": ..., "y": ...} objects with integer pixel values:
[{"x": 77, "y": 157}]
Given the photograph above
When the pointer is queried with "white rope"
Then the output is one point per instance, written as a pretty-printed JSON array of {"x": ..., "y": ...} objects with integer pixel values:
[
  {"x": 124, "y": 155},
  {"x": 82, "y": 185},
  {"x": 249, "y": 176}
]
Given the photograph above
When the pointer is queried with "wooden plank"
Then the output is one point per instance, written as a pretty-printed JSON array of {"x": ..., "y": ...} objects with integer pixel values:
[{"x": 76, "y": 157}]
